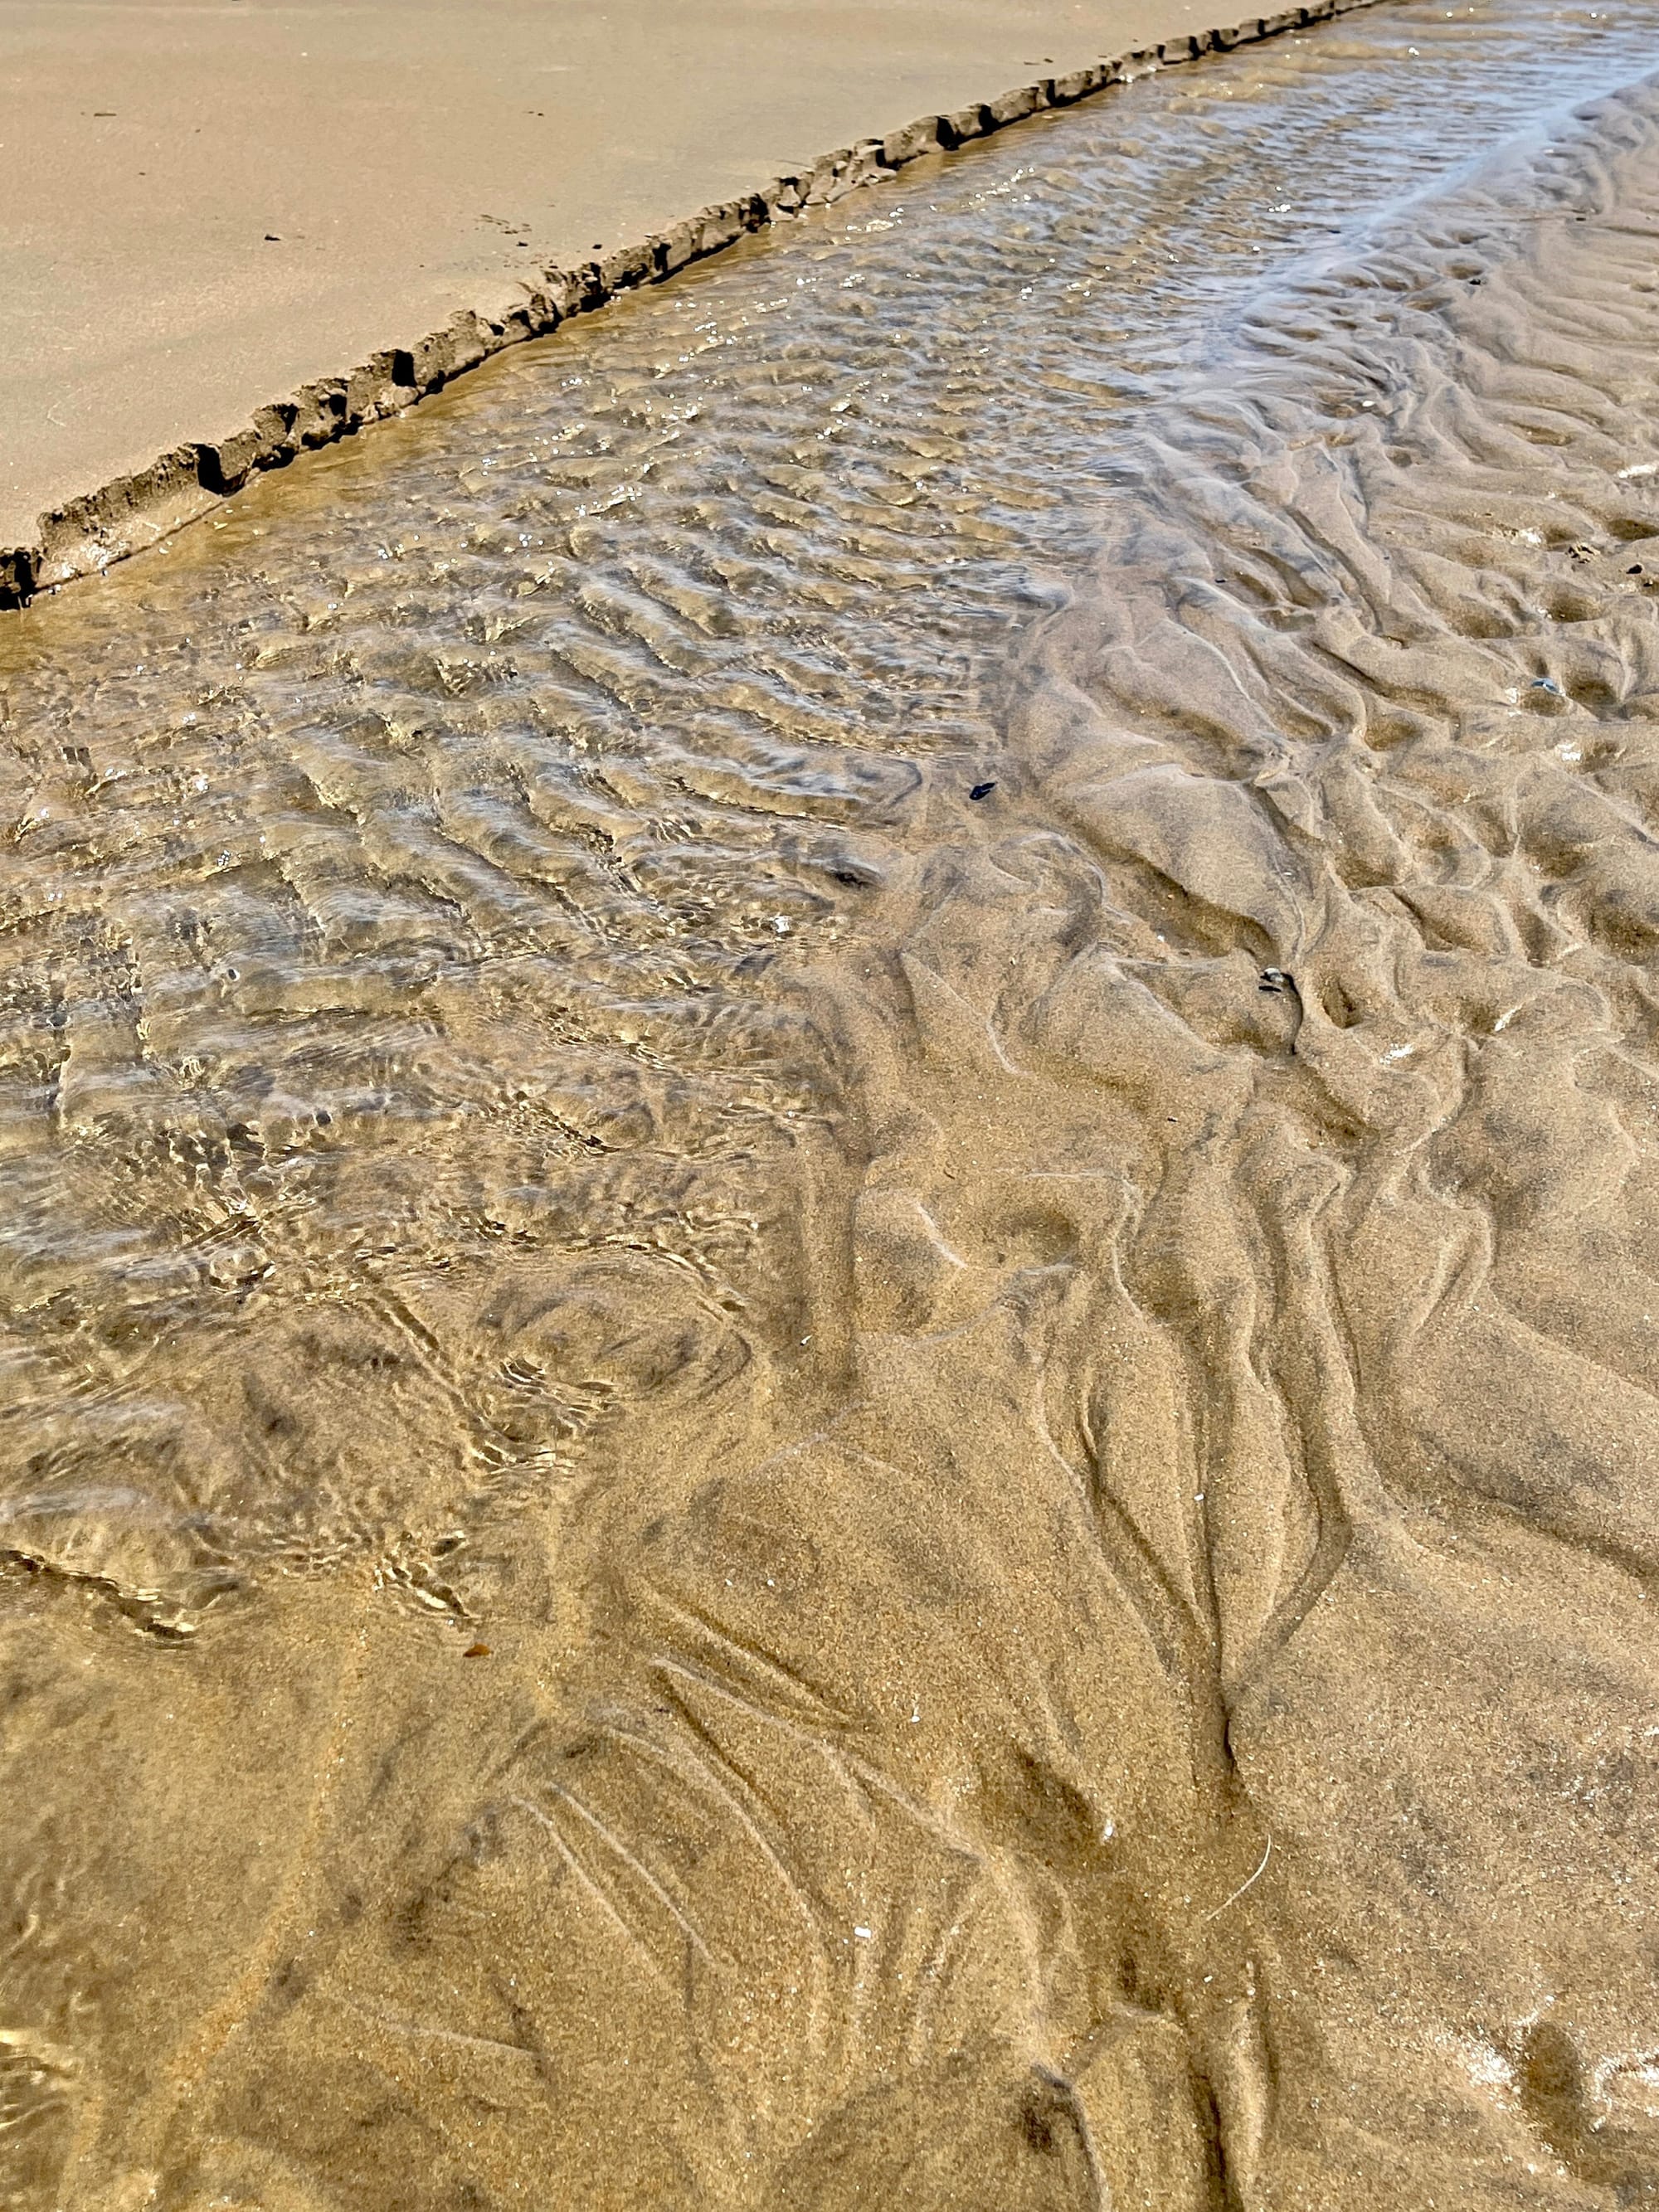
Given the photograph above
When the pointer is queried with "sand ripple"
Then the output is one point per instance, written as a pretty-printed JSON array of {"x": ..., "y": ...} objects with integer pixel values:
[{"x": 830, "y": 1215}]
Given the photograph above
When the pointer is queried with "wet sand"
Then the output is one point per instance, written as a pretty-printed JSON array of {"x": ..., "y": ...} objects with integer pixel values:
[
  {"x": 828, "y": 1151},
  {"x": 253, "y": 227}
]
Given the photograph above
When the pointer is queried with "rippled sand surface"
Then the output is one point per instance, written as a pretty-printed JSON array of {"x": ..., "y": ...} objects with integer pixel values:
[{"x": 829, "y": 1147}]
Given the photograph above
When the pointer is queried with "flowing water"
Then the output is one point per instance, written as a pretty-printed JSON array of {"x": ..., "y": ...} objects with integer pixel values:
[{"x": 829, "y": 1138}]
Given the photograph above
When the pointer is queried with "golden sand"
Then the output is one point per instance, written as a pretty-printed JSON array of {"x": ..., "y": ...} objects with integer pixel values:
[{"x": 828, "y": 1283}]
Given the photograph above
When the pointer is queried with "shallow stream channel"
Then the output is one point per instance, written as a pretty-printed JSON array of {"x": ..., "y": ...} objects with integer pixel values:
[{"x": 829, "y": 1214}]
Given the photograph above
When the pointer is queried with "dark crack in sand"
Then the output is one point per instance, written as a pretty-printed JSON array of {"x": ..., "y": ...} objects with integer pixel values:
[{"x": 831, "y": 1211}]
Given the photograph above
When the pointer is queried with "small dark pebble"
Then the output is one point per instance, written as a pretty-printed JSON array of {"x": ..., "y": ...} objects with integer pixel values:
[
  {"x": 476, "y": 1652},
  {"x": 1636, "y": 571},
  {"x": 983, "y": 790}
]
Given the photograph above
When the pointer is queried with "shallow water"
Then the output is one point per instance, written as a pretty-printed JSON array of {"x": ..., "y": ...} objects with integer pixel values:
[{"x": 828, "y": 1146}]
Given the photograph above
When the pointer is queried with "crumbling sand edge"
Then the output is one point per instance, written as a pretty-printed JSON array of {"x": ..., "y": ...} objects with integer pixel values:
[{"x": 90, "y": 531}]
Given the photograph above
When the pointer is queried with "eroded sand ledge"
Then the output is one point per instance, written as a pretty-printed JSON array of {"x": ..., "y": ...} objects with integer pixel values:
[{"x": 65, "y": 510}]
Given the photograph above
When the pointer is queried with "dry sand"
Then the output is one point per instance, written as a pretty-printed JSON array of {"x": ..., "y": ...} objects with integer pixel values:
[
  {"x": 248, "y": 225},
  {"x": 830, "y": 1215}
]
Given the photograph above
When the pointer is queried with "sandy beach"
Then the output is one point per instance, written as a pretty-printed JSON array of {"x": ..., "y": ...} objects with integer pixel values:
[
  {"x": 830, "y": 1213},
  {"x": 251, "y": 225}
]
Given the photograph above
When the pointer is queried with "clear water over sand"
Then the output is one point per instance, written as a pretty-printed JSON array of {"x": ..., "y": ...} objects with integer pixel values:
[{"x": 828, "y": 1228}]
